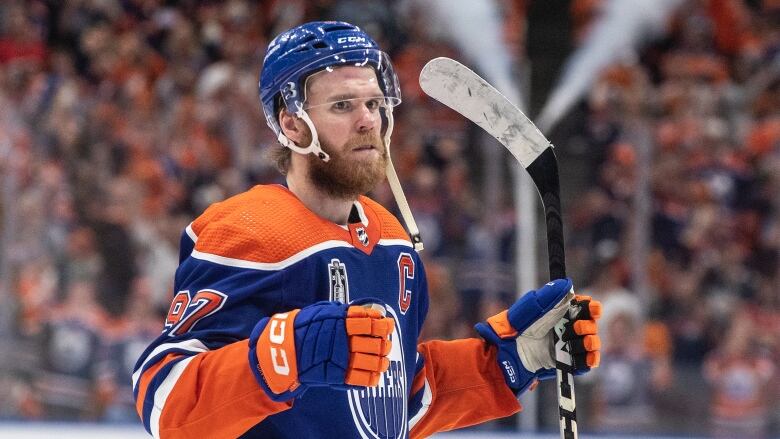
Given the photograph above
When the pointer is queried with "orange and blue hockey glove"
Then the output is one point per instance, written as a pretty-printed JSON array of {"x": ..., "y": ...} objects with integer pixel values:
[
  {"x": 324, "y": 344},
  {"x": 523, "y": 334}
]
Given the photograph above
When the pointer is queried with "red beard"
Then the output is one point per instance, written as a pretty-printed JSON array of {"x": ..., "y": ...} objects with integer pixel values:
[{"x": 345, "y": 177}]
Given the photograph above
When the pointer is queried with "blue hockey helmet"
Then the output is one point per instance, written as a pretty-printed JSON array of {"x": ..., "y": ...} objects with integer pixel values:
[{"x": 309, "y": 48}]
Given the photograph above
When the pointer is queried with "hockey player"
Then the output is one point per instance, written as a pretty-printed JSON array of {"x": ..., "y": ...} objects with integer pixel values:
[{"x": 297, "y": 308}]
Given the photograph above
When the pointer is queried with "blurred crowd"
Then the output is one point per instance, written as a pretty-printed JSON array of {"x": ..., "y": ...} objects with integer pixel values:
[
  {"x": 122, "y": 120},
  {"x": 694, "y": 125}
]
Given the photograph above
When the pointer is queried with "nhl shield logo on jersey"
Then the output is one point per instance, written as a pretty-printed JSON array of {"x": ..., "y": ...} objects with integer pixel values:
[
  {"x": 339, "y": 284},
  {"x": 362, "y": 236},
  {"x": 381, "y": 411}
]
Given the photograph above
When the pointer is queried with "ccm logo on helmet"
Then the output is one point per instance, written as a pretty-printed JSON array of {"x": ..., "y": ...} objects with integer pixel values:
[
  {"x": 276, "y": 337},
  {"x": 342, "y": 40}
]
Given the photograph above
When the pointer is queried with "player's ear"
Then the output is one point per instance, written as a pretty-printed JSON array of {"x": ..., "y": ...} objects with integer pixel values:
[{"x": 292, "y": 126}]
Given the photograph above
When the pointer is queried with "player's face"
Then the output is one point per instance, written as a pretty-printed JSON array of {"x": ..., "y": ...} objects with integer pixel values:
[{"x": 345, "y": 106}]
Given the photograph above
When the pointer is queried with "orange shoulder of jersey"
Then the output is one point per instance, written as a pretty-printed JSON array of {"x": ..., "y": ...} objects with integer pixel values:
[{"x": 268, "y": 224}]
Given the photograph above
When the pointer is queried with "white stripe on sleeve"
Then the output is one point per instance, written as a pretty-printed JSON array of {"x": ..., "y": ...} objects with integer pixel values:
[
  {"x": 191, "y": 233},
  {"x": 426, "y": 402},
  {"x": 162, "y": 393},
  {"x": 194, "y": 345}
]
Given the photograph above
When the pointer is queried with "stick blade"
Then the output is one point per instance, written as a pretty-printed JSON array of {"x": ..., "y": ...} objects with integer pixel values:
[{"x": 459, "y": 88}]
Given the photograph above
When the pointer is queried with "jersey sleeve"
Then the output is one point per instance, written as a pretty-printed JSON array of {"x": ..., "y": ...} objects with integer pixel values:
[
  {"x": 194, "y": 380},
  {"x": 456, "y": 384}
]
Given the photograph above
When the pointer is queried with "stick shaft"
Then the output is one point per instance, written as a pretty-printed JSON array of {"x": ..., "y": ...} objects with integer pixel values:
[{"x": 544, "y": 172}]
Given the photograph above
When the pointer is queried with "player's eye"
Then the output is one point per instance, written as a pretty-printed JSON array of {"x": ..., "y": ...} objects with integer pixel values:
[
  {"x": 374, "y": 104},
  {"x": 342, "y": 106}
]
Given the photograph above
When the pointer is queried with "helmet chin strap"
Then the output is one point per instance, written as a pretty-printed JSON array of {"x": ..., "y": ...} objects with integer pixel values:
[
  {"x": 314, "y": 146},
  {"x": 395, "y": 186}
]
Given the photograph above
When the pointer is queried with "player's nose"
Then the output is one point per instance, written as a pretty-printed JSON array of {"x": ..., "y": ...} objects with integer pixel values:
[{"x": 366, "y": 119}]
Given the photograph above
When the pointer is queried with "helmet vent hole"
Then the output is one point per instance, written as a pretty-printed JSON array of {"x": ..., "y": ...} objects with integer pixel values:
[
  {"x": 302, "y": 43},
  {"x": 337, "y": 27},
  {"x": 319, "y": 45}
]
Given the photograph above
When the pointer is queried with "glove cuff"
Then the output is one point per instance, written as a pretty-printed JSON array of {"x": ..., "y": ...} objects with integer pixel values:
[
  {"x": 517, "y": 377},
  {"x": 272, "y": 356}
]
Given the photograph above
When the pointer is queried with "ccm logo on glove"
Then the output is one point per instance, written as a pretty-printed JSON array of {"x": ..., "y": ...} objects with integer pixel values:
[
  {"x": 279, "y": 352},
  {"x": 276, "y": 337},
  {"x": 510, "y": 371}
]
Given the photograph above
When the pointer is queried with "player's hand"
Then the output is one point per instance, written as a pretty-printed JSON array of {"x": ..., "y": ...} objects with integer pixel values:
[
  {"x": 323, "y": 344},
  {"x": 523, "y": 334}
]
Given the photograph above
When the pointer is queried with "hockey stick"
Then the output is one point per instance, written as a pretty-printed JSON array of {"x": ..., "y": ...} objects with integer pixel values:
[{"x": 459, "y": 88}]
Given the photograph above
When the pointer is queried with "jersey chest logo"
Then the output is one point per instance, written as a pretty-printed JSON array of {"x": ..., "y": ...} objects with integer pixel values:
[
  {"x": 381, "y": 412},
  {"x": 339, "y": 283}
]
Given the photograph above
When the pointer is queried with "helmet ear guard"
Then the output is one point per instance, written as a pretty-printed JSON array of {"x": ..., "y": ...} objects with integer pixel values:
[{"x": 313, "y": 147}]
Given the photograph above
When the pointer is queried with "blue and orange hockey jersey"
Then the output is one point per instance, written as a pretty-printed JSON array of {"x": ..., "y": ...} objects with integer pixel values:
[{"x": 263, "y": 252}]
